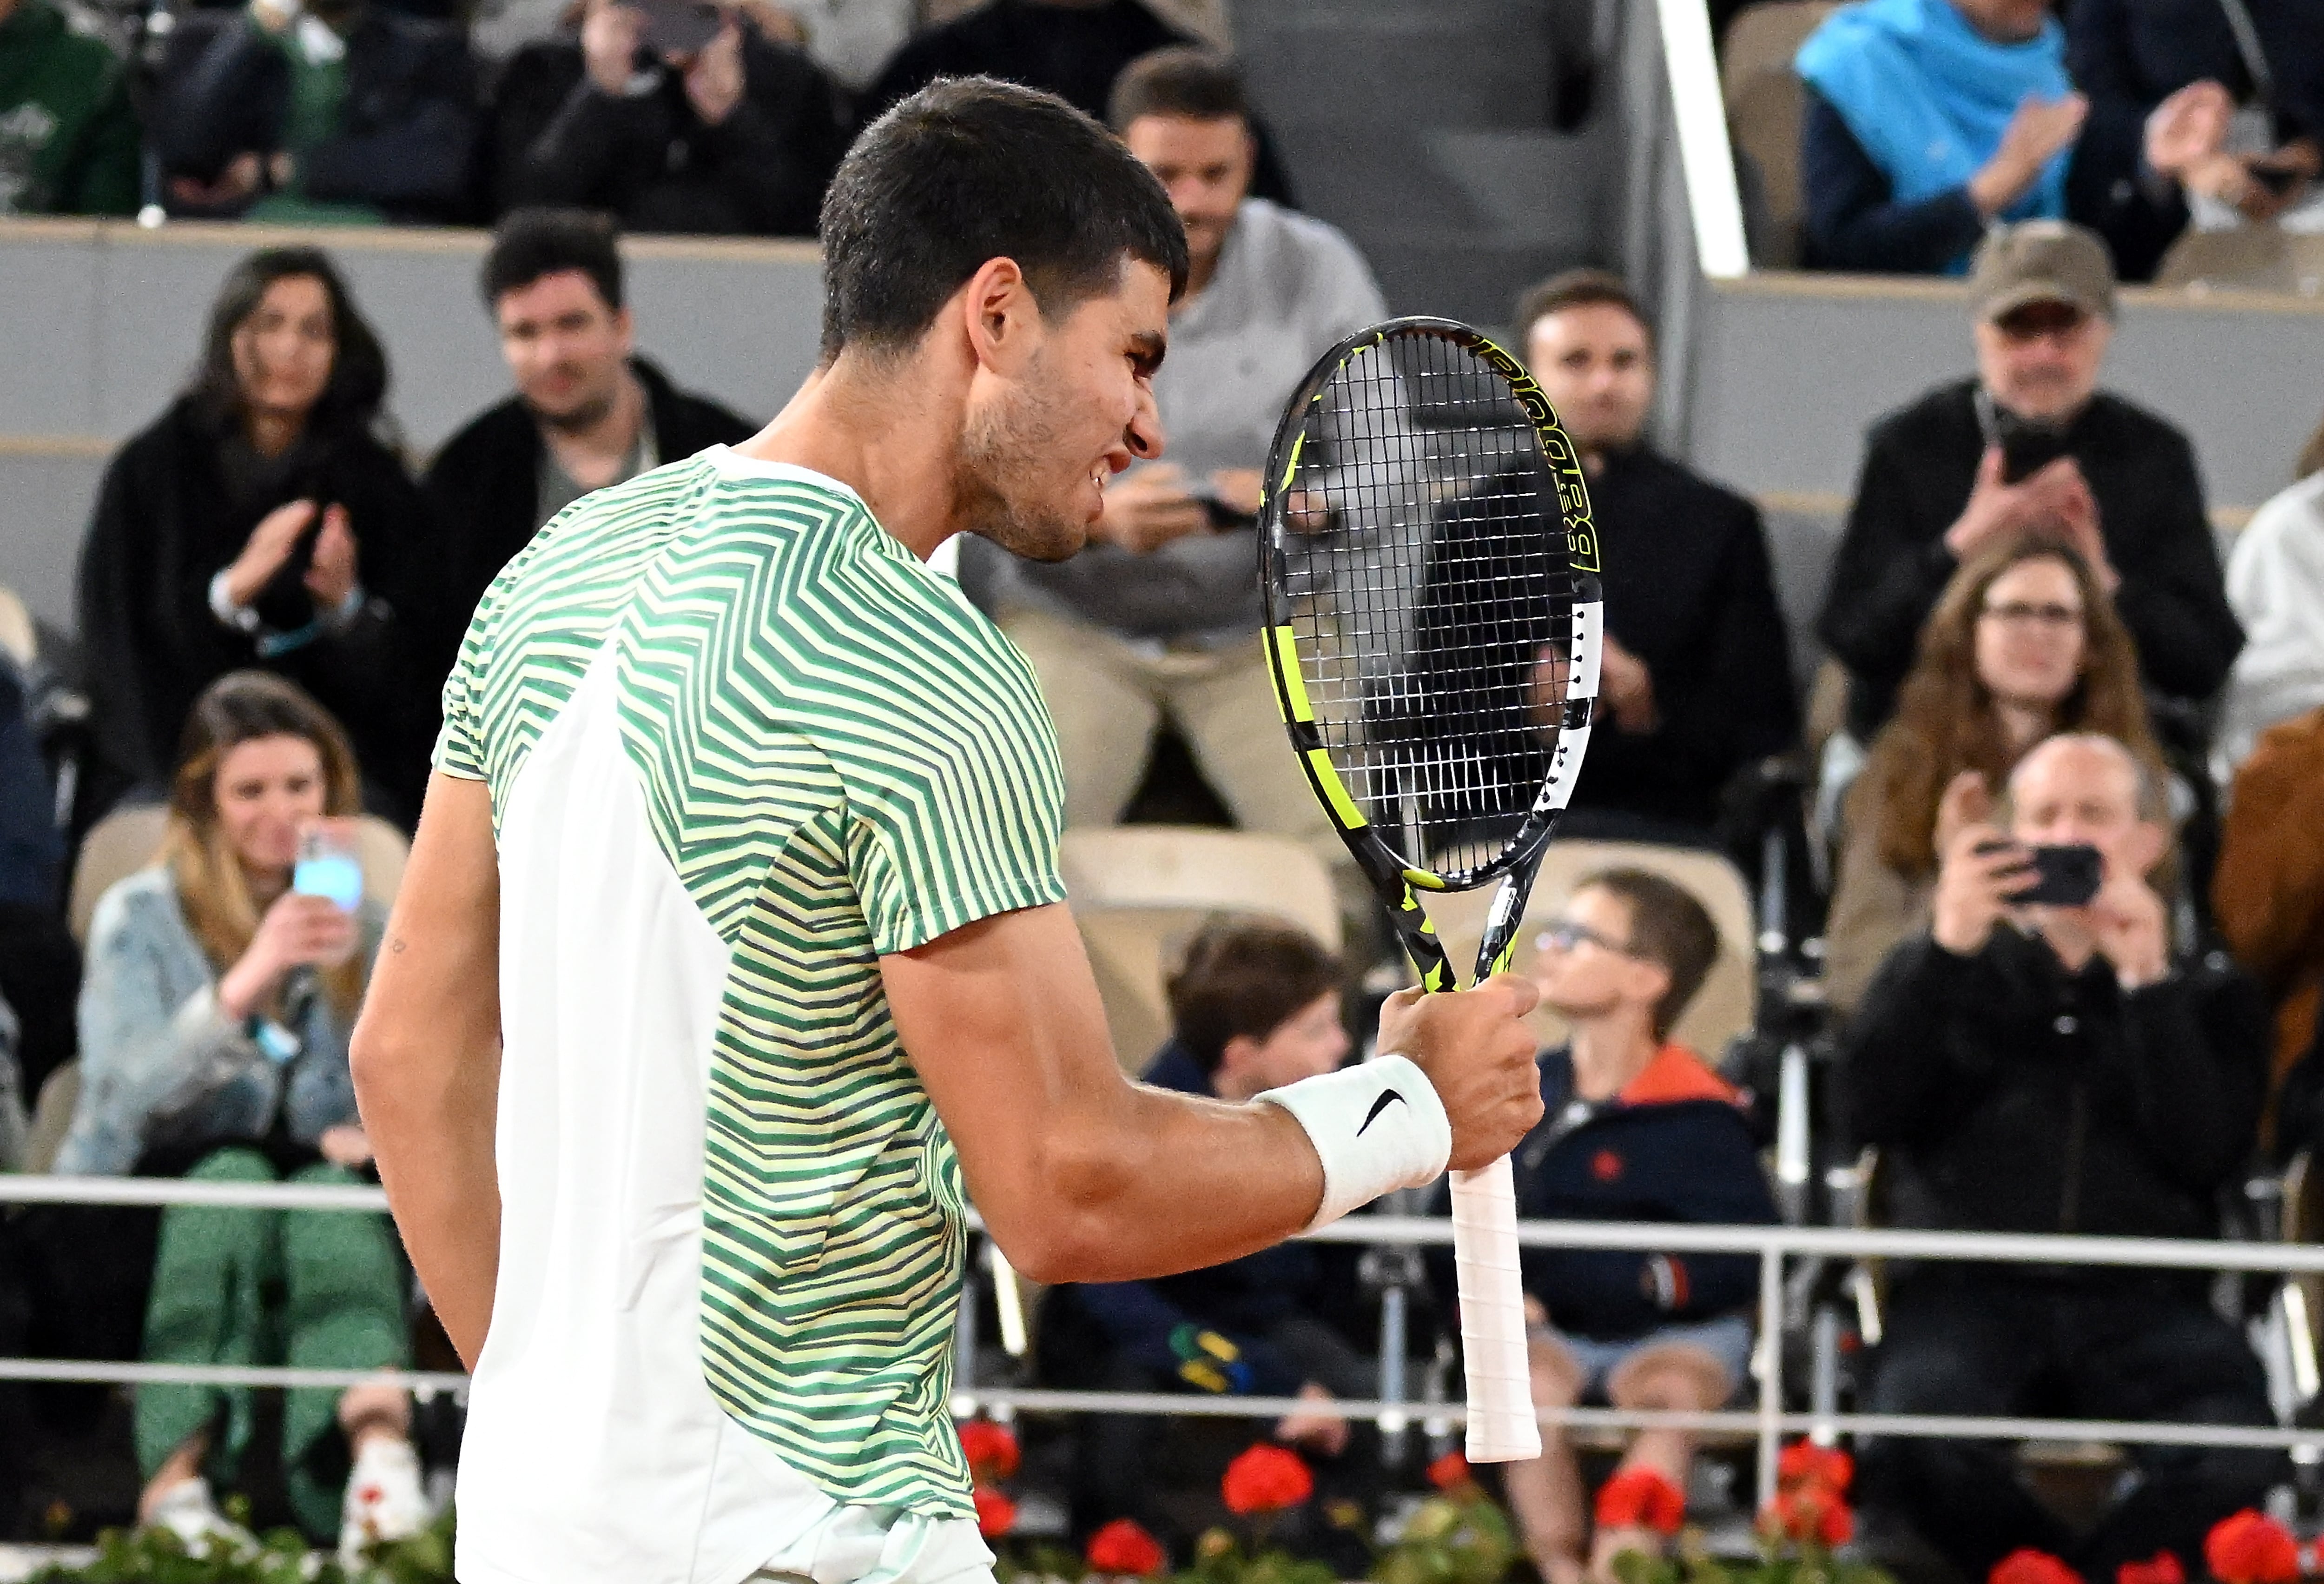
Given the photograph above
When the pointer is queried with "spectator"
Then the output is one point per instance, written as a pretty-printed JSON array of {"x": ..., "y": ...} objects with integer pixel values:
[
  {"x": 1160, "y": 617},
  {"x": 2023, "y": 644},
  {"x": 258, "y": 522},
  {"x": 2030, "y": 444},
  {"x": 2174, "y": 71},
  {"x": 69, "y": 137},
  {"x": 1693, "y": 626},
  {"x": 339, "y": 112},
  {"x": 215, "y": 1022},
  {"x": 737, "y": 136},
  {"x": 1253, "y": 1007},
  {"x": 2275, "y": 583},
  {"x": 1074, "y": 48},
  {"x": 1636, "y": 1129},
  {"x": 587, "y": 411},
  {"x": 2052, "y": 1069},
  {"x": 1927, "y": 121},
  {"x": 2267, "y": 893}
]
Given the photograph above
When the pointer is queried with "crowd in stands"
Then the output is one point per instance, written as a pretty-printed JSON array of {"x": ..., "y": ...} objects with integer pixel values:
[
  {"x": 1926, "y": 121},
  {"x": 2027, "y": 604}
]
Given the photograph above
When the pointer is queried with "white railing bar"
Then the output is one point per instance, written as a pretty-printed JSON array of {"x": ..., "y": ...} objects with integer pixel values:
[
  {"x": 1667, "y": 1237},
  {"x": 1699, "y": 114},
  {"x": 223, "y": 1374}
]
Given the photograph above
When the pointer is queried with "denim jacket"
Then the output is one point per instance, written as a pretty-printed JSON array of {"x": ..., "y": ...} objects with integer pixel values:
[{"x": 160, "y": 1065}]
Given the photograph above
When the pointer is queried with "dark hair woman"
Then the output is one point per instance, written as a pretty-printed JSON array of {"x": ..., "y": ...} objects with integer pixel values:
[
  {"x": 222, "y": 985},
  {"x": 259, "y": 523},
  {"x": 2024, "y": 642}
]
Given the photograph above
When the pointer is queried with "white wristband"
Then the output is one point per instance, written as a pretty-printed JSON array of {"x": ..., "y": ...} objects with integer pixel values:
[{"x": 1376, "y": 1126}]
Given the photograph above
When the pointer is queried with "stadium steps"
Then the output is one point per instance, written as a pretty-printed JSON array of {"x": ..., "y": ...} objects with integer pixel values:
[{"x": 1443, "y": 168}]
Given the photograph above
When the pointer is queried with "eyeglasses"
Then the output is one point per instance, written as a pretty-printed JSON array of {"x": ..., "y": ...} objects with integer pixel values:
[
  {"x": 1566, "y": 935},
  {"x": 2018, "y": 614},
  {"x": 2036, "y": 320}
]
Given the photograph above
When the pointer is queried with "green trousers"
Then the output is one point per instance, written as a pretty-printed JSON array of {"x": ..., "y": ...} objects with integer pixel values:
[{"x": 311, "y": 1288}]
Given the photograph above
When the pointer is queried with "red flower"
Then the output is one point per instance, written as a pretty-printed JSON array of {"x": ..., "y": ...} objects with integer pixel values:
[
  {"x": 2250, "y": 1548},
  {"x": 996, "y": 1514},
  {"x": 1451, "y": 1471},
  {"x": 2162, "y": 1567},
  {"x": 1809, "y": 1513},
  {"x": 1641, "y": 1497},
  {"x": 990, "y": 1450},
  {"x": 1123, "y": 1549},
  {"x": 2032, "y": 1567},
  {"x": 1266, "y": 1479},
  {"x": 1806, "y": 1463}
]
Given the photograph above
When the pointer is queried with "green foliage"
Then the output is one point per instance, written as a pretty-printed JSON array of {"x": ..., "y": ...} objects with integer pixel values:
[
  {"x": 1780, "y": 1562},
  {"x": 1221, "y": 1559},
  {"x": 1459, "y": 1538},
  {"x": 157, "y": 1556}
]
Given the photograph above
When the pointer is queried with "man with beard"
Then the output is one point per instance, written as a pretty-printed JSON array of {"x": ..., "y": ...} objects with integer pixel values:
[
  {"x": 2030, "y": 444},
  {"x": 587, "y": 412},
  {"x": 733, "y": 961}
]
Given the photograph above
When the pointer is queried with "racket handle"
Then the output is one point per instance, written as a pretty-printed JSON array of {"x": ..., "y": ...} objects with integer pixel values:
[{"x": 1501, "y": 1424}]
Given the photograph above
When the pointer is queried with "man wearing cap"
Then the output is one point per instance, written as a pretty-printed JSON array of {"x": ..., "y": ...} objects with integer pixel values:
[{"x": 2031, "y": 444}]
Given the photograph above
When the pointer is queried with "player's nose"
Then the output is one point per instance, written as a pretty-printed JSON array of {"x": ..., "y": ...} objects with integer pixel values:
[{"x": 1143, "y": 434}]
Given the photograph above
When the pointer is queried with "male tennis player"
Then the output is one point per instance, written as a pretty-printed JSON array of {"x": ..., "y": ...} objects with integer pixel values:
[{"x": 735, "y": 911}]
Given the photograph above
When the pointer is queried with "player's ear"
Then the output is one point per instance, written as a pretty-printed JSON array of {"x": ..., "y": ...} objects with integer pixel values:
[{"x": 1000, "y": 315}]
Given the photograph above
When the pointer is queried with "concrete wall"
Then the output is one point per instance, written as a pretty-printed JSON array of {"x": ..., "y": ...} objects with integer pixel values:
[{"x": 101, "y": 323}]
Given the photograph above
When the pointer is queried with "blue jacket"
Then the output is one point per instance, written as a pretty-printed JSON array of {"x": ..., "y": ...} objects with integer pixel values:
[
  {"x": 1243, "y": 1299},
  {"x": 162, "y": 1067},
  {"x": 1673, "y": 1147}
]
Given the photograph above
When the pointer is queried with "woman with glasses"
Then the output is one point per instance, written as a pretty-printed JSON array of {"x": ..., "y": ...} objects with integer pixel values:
[{"x": 2024, "y": 642}]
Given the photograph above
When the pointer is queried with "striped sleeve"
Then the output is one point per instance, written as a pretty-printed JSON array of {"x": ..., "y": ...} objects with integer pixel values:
[{"x": 460, "y": 745}]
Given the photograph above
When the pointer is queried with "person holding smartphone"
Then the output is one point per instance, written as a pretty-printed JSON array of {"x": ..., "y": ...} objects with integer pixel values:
[
  {"x": 221, "y": 990},
  {"x": 2042, "y": 1062},
  {"x": 674, "y": 115}
]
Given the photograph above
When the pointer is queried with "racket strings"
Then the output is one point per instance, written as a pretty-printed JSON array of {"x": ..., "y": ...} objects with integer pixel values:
[{"x": 1431, "y": 593}]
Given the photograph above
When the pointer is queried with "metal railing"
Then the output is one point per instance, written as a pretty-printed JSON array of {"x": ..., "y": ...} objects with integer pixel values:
[{"x": 1767, "y": 1420}]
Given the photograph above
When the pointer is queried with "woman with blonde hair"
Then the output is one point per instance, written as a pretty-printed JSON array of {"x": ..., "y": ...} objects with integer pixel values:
[
  {"x": 214, "y": 1015},
  {"x": 2024, "y": 642}
]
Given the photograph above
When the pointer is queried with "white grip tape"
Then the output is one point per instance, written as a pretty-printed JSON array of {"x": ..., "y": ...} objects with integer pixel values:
[
  {"x": 1376, "y": 1126},
  {"x": 1501, "y": 1425}
]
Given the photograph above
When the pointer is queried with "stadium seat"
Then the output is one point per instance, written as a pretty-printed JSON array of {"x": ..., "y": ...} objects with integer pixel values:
[
  {"x": 1764, "y": 109},
  {"x": 1139, "y": 892},
  {"x": 1729, "y": 1001},
  {"x": 2250, "y": 258},
  {"x": 130, "y": 838}
]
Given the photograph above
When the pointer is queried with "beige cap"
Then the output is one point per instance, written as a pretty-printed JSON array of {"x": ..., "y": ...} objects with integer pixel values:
[{"x": 2041, "y": 261}]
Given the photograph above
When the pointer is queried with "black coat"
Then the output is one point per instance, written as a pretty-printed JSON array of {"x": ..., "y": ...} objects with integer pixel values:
[
  {"x": 1074, "y": 52},
  {"x": 2008, "y": 1095},
  {"x": 164, "y": 527},
  {"x": 408, "y": 131},
  {"x": 650, "y": 160},
  {"x": 1920, "y": 464},
  {"x": 485, "y": 485}
]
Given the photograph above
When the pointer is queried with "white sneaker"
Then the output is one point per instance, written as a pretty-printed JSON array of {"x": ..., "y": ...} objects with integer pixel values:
[
  {"x": 187, "y": 1510},
  {"x": 385, "y": 1500}
]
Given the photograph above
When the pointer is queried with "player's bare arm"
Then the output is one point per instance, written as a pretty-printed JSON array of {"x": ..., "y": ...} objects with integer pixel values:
[
  {"x": 426, "y": 1058},
  {"x": 1084, "y": 1176}
]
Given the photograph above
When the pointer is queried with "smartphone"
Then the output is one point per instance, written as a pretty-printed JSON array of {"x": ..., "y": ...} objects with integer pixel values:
[
  {"x": 1222, "y": 516},
  {"x": 2065, "y": 876},
  {"x": 2026, "y": 449},
  {"x": 328, "y": 866},
  {"x": 2278, "y": 179},
  {"x": 680, "y": 27}
]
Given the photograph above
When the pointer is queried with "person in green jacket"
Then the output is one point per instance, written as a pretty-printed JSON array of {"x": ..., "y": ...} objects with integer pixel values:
[{"x": 69, "y": 137}]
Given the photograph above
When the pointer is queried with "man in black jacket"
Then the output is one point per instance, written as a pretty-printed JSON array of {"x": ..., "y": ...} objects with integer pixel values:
[
  {"x": 586, "y": 413},
  {"x": 2051, "y": 1069},
  {"x": 2031, "y": 444},
  {"x": 1696, "y": 676},
  {"x": 332, "y": 111},
  {"x": 737, "y": 136}
]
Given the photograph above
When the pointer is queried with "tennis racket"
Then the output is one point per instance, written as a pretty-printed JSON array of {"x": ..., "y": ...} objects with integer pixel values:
[{"x": 1430, "y": 574}]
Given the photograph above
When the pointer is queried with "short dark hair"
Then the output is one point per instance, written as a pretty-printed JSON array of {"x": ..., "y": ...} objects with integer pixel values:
[
  {"x": 1667, "y": 927},
  {"x": 1183, "y": 80},
  {"x": 528, "y": 243},
  {"x": 969, "y": 169},
  {"x": 1578, "y": 289},
  {"x": 350, "y": 397},
  {"x": 1245, "y": 977}
]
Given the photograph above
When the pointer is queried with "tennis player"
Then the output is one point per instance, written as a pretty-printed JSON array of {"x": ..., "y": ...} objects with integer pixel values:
[{"x": 735, "y": 911}]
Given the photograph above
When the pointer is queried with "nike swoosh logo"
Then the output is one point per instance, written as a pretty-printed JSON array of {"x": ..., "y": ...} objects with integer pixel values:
[{"x": 1388, "y": 1098}]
